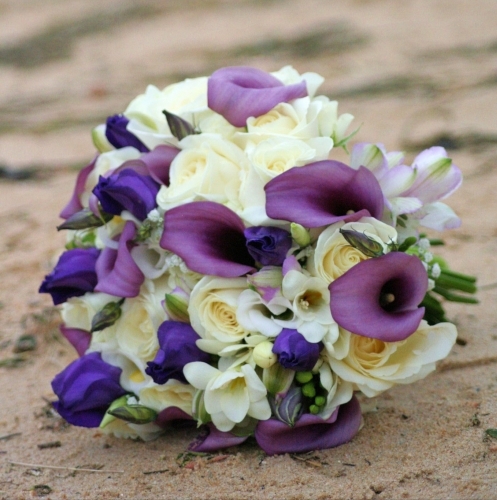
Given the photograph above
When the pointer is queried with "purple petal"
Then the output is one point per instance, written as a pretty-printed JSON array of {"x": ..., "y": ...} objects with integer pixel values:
[
  {"x": 119, "y": 136},
  {"x": 171, "y": 414},
  {"x": 208, "y": 237},
  {"x": 322, "y": 193},
  {"x": 268, "y": 245},
  {"x": 239, "y": 92},
  {"x": 79, "y": 339},
  {"x": 74, "y": 205},
  {"x": 360, "y": 303},
  {"x": 215, "y": 440},
  {"x": 310, "y": 432},
  {"x": 117, "y": 272},
  {"x": 159, "y": 161}
]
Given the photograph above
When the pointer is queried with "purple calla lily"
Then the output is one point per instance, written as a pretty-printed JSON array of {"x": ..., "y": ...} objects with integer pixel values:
[
  {"x": 117, "y": 272},
  {"x": 119, "y": 136},
  {"x": 310, "y": 432},
  {"x": 239, "y": 92},
  {"x": 173, "y": 414},
  {"x": 213, "y": 440},
  {"x": 209, "y": 237},
  {"x": 74, "y": 205},
  {"x": 158, "y": 162},
  {"x": 79, "y": 339},
  {"x": 379, "y": 297},
  {"x": 322, "y": 193},
  {"x": 85, "y": 389}
]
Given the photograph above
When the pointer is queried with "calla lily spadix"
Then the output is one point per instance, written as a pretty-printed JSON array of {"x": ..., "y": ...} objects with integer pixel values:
[
  {"x": 379, "y": 297},
  {"x": 322, "y": 193},
  {"x": 209, "y": 237}
]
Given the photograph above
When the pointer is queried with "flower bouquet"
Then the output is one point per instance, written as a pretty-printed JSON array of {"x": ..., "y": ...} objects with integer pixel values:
[{"x": 222, "y": 268}]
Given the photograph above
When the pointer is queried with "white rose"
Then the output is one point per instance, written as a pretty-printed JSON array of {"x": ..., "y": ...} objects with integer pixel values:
[
  {"x": 334, "y": 256},
  {"x": 229, "y": 395},
  {"x": 208, "y": 168},
  {"x": 213, "y": 312},
  {"x": 330, "y": 124},
  {"x": 374, "y": 366},
  {"x": 172, "y": 393},
  {"x": 288, "y": 75}
]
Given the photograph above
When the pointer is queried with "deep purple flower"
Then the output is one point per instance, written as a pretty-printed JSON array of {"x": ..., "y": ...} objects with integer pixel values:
[
  {"x": 379, "y": 297},
  {"x": 239, "y": 92},
  {"x": 79, "y": 339},
  {"x": 73, "y": 276},
  {"x": 158, "y": 162},
  {"x": 294, "y": 352},
  {"x": 212, "y": 439},
  {"x": 209, "y": 237},
  {"x": 268, "y": 245},
  {"x": 310, "y": 432},
  {"x": 127, "y": 190},
  {"x": 117, "y": 272},
  {"x": 74, "y": 205},
  {"x": 324, "y": 192},
  {"x": 85, "y": 389},
  {"x": 177, "y": 348},
  {"x": 119, "y": 136}
]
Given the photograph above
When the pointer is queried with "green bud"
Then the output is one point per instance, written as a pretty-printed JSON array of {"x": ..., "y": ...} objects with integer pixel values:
[
  {"x": 99, "y": 139},
  {"x": 314, "y": 409},
  {"x": 309, "y": 390},
  {"x": 85, "y": 219},
  {"x": 179, "y": 128},
  {"x": 320, "y": 400},
  {"x": 300, "y": 234},
  {"x": 115, "y": 404},
  {"x": 407, "y": 243},
  {"x": 368, "y": 246},
  {"x": 176, "y": 306},
  {"x": 134, "y": 413},
  {"x": 303, "y": 377},
  {"x": 107, "y": 316},
  {"x": 277, "y": 379},
  {"x": 199, "y": 411}
]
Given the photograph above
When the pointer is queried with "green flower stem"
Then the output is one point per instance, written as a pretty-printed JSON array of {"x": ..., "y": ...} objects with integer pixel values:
[
  {"x": 455, "y": 281},
  {"x": 454, "y": 297}
]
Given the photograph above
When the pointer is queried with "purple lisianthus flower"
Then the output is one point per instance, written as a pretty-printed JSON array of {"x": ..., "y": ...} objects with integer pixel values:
[
  {"x": 79, "y": 339},
  {"x": 73, "y": 276},
  {"x": 85, "y": 389},
  {"x": 239, "y": 92},
  {"x": 177, "y": 348},
  {"x": 294, "y": 351},
  {"x": 127, "y": 190},
  {"x": 119, "y": 136},
  {"x": 310, "y": 432},
  {"x": 324, "y": 192},
  {"x": 379, "y": 297},
  {"x": 209, "y": 237},
  {"x": 116, "y": 270},
  {"x": 268, "y": 245}
]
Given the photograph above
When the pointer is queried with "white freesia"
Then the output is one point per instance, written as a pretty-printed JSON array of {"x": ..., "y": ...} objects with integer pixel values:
[
  {"x": 230, "y": 395},
  {"x": 339, "y": 391},
  {"x": 172, "y": 393},
  {"x": 208, "y": 168},
  {"x": 213, "y": 312},
  {"x": 334, "y": 256},
  {"x": 374, "y": 366}
]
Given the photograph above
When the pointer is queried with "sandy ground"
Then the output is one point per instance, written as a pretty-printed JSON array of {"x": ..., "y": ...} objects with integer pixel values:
[{"x": 416, "y": 73}]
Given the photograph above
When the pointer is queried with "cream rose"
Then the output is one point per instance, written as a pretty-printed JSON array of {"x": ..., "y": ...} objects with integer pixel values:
[
  {"x": 334, "y": 256},
  {"x": 213, "y": 312},
  {"x": 172, "y": 393},
  {"x": 374, "y": 366},
  {"x": 207, "y": 169}
]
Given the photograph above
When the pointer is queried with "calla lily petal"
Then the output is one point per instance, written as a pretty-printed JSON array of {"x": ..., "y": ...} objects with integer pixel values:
[
  {"x": 79, "y": 339},
  {"x": 209, "y": 238},
  {"x": 310, "y": 432},
  {"x": 215, "y": 440},
  {"x": 379, "y": 297},
  {"x": 322, "y": 193},
  {"x": 240, "y": 92}
]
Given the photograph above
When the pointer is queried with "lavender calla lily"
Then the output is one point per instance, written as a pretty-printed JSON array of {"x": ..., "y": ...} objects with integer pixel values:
[
  {"x": 119, "y": 136},
  {"x": 209, "y": 237},
  {"x": 310, "y": 432},
  {"x": 322, "y": 193},
  {"x": 79, "y": 339},
  {"x": 239, "y": 92},
  {"x": 379, "y": 297},
  {"x": 117, "y": 272},
  {"x": 213, "y": 439}
]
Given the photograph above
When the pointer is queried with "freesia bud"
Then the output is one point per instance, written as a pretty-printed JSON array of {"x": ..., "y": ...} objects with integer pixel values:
[
  {"x": 199, "y": 411},
  {"x": 99, "y": 139},
  {"x": 277, "y": 379},
  {"x": 107, "y": 316},
  {"x": 85, "y": 219},
  {"x": 176, "y": 305},
  {"x": 368, "y": 246},
  {"x": 263, "y": 354},
  {"x": 300, "y": 234},
  {"x": 134, "y": 413},
  {"x": 267, "y": 281},
  {"x": 179, "y": 128},
  {"x": 108, "y": 418}
]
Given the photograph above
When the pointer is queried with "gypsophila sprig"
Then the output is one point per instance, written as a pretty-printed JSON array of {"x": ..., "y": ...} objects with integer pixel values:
[{"x": 223, "y": 267}]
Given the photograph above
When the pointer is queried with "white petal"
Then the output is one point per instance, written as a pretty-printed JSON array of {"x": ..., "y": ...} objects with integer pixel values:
[{"x": 199, "y": 374}]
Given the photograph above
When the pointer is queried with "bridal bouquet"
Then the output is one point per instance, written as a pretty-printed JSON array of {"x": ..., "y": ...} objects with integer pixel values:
[{"x": 222, "y": 267}]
